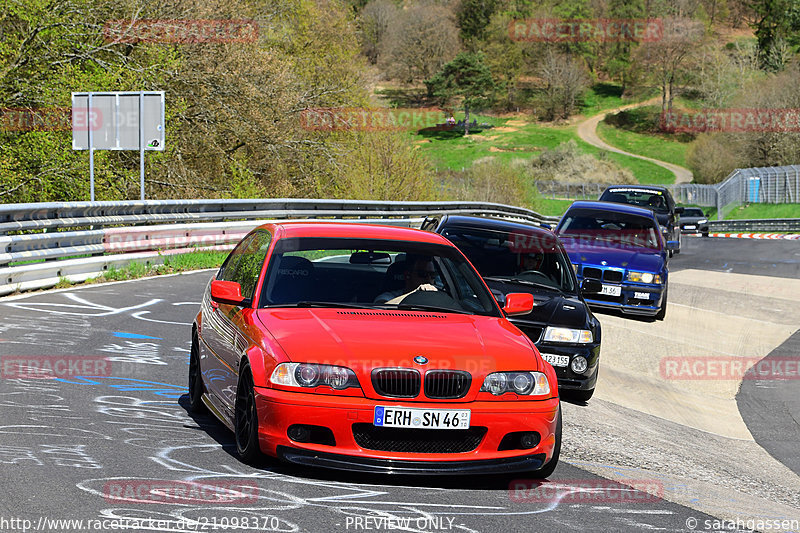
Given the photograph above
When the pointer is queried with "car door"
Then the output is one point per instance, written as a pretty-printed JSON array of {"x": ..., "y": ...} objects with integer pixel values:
[{"x": 225, "y": 323}]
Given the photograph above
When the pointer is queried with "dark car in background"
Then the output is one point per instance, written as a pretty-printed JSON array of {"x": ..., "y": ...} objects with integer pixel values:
[
  {"x": 514, "y": 257},
  {"x": 657, "y": 199},
  {"x": 620, "y": 246},
  {"x": 693, "y": 220}
]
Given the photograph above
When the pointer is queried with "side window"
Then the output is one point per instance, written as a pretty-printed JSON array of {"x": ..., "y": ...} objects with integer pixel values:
[
  {"x": 245, "y": 262},
  {"x": 229, "y": 266}
]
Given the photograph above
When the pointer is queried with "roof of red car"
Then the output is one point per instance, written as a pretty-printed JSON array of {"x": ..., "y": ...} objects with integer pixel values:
[{"x": 354, "y": 230}]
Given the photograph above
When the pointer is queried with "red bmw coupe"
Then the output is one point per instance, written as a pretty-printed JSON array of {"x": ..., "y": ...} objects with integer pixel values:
[{"x": 370, "y": 348}]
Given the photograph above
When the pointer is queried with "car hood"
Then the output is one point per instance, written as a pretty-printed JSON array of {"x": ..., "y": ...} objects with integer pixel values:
[
  {"x": 367, "y": 339},
  {"x": 692, "y": 220},
  {"x": 549, "y": 308},
  {"x": 643, "y": 259}
]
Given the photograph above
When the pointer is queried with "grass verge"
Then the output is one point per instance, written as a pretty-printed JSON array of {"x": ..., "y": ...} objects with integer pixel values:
[
  {"x": 656, "y": 146},
  {"x": 758, "y": 211},
  {"x": 519, "y": 138}
]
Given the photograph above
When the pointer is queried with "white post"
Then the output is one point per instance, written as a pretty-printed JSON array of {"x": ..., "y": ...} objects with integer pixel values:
[
  {"x": 141, "y": 145},
  {"x": 91, "y": 147}
]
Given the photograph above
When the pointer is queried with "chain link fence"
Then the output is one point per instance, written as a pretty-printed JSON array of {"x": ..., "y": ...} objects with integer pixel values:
[{"x": 774, "y": 185}]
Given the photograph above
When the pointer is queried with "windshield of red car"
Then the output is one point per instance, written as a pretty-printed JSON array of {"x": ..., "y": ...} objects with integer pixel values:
[{"x": 371, "y": 273}]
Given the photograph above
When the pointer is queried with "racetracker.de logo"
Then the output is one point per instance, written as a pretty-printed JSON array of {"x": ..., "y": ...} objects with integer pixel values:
[
  {"x": 590, "y": 491},
  {"x": 180, "y": 31},
  {"x": 740, "y": 120},
  {"x": 54, "y": 366},
  {"x": 729, "y": 368},
  {"x": 630, "y": 240},
  {"x": 366, "y": 119},
  {"x": 590, "y": 30},
  {"x": 50, "y": 119},
  {"x": 168, "y": 491}
]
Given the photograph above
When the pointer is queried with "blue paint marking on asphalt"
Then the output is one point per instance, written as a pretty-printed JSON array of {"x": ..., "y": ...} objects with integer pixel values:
[
  {"x": 165, "y": 390},
  {"x": 124, "y": 335}
]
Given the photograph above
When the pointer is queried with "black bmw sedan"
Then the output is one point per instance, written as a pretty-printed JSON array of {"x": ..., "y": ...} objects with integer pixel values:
[{"x": 516, "y": 257}]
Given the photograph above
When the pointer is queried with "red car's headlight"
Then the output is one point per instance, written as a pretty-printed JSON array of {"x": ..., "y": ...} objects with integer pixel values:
[
  {"x": 522, "y": 383},
  {"x": 309, "y": 375}
]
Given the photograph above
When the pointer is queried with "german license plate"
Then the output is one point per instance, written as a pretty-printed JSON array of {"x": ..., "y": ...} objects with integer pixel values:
[
  {"x": 405, "y": 417},
  {"x": 611, "y": 290},
  {"x": 556, "y": 360},
  {"x": 690, "y": 227},
  {"x": 641, "y": 295}
]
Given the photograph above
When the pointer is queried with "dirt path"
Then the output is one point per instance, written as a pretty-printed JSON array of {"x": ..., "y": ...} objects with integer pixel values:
[{"x": 587, "y": 130}]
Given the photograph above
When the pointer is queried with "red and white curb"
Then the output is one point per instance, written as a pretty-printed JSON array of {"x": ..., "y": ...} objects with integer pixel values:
[{"x": 771, "y": 236}]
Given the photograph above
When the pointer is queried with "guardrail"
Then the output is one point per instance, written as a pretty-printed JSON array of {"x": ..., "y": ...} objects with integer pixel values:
[
  {"x": 777, "y": 225},
  {"x": 146, "y": 231}
]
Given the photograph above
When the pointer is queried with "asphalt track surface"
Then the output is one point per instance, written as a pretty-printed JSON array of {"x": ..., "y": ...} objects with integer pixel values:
[{"x": 92, "y": 448}]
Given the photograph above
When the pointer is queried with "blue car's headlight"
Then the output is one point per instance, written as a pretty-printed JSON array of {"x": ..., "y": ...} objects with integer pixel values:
[{"x": 643, "y": 277}]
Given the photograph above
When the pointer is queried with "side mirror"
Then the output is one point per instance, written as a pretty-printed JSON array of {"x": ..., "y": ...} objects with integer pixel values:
[
  {"x": 679, "y": 210},
  {"x": 673, "y": 245},
  {"x": 518, "y": 303},
  {"x": 591, "y": 285},
  {"x": 227, "y": 292}
]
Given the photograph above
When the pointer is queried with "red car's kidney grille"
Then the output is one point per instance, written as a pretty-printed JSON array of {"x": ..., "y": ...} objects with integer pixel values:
[
  {"x": 389, "y": 313},
  {"x": 396, "y": 382},
  {"x": 447, "y": 384},
  {"x": 409, "y": 440}
]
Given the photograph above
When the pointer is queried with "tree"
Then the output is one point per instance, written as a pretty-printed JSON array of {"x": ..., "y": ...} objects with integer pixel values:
[
  {"x": 618, "y": 64},
  {"x": 666, "y": 61},
  {"x": 233, "y": 108},
  {"x": 565, "y": 80},
  {"x": 382, "y": 166},
  {"x": 376, "y": 18},
  {"x": 773, "y": 21},
  {"x": 473, "y": 16},
  {"x": 466, "y": 77},
  {"x": 421, "y": 39}
]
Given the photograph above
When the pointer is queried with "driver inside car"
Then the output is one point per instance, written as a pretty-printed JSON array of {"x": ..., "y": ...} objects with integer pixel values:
[
  {"x": 419, "y": 274},
  {"x": 531, "y": 261}
]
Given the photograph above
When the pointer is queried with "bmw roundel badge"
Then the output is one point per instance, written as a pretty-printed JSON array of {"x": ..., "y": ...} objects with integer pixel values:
[{"x": 421, "y": 360}]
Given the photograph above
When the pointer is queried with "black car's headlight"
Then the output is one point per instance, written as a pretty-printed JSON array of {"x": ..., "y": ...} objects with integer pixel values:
[
  {"x": 522, "y": 383},
  {"x": 643, "y": 277},
  {"x": 309, "y": 375},
  {"x": 572, "y": 336}
]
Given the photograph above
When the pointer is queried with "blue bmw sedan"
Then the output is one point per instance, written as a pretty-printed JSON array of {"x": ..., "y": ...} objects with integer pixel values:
[{"x": 622, "y": 247}]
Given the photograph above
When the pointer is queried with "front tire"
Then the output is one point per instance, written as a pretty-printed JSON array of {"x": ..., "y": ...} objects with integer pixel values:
[
  {"x": 550, "y": 467},
  {"x": 246, "y": 419},
  {"x": 196, "y": 387},
  {"x": 663, "y": 311}
]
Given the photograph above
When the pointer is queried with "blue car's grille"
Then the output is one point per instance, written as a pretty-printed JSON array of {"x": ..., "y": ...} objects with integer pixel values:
[{"x": 611, "y": 276}]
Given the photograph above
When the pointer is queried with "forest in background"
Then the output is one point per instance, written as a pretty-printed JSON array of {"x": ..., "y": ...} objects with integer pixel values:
[{"x": 234, "y": 125}]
